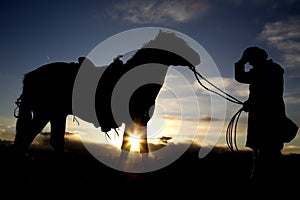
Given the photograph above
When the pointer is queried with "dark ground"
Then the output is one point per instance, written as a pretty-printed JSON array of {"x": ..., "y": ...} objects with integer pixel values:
[{"x": 220, "y": 174}]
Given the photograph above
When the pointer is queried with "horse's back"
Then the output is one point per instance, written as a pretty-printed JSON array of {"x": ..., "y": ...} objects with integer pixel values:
[{"x": 50, "y": 86}]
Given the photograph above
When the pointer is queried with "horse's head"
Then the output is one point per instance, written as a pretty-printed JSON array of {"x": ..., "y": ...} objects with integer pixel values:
[{"x": 166, "y": 48}]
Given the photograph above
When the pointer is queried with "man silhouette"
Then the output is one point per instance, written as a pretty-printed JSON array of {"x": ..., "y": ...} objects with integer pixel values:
[{"x": 266, "y": 111}]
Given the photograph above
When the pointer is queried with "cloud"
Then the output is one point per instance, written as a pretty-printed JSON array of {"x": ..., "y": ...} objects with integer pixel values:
[
  {"x": 206, "y": 118},
  {"x": 155, "y": 12},
  {"x": 292, "y": 96},
  {"x": 7, "y": 132},
  {"x": 284, "y": 35},
  {"x": 292, "y": 100}
]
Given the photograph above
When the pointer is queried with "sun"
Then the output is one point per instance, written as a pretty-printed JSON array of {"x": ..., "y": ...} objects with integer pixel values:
[{"x": 134, "y": 141}]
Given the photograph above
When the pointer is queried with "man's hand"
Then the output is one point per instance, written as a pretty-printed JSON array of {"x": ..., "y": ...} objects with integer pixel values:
[{"x": 240, "y": 64}]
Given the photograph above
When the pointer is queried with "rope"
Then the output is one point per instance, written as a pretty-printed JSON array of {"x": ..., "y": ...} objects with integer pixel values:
[
  {"x": 231, "y": 132},
  {"x": 221, "y": 93}
]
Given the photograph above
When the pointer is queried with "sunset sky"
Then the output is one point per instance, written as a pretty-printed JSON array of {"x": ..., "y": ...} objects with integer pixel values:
[{"x": 34, "y": 33}]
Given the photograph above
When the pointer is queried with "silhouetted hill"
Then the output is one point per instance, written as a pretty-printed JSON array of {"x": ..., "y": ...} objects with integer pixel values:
[{"x": 220, "y": 173}]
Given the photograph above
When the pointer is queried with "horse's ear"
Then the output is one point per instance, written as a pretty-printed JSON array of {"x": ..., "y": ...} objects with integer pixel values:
[{"x": 85, "y": 61}]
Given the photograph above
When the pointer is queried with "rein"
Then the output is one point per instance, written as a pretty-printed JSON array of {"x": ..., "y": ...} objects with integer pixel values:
[{"x": 231, "y": 131}]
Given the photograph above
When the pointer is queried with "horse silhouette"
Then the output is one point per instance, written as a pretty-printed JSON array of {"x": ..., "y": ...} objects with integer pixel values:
[{"x": 47, "y": 92}]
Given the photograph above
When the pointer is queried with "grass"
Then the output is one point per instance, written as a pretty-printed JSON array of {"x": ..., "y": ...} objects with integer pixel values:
[{"x": 220, "y": 173}]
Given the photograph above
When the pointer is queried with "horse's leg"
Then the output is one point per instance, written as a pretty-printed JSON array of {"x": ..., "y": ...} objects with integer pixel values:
[
  {"x": 142, "y": 122},
  {"x": 143, "y": 140},
  {"x": 140, "y": 128},
  {"x": 57, "y": 137},
  {"x": 126, "y": 141},
  {"x": 22, "y": 127},
  {"x": 27, "y": 129}
]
